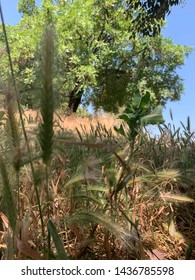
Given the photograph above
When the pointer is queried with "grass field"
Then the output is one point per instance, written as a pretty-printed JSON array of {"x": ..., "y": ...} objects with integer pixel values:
[{"x": 97, "y": 198}]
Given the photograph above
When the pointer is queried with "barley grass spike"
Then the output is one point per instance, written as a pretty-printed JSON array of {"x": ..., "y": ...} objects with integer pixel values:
[{"x": 47, "y": 98}]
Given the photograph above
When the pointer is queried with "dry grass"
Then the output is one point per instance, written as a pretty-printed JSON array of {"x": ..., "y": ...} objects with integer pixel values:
[
  {"x": 73, "y": 122},
  {"x": 151, "y": 218}
]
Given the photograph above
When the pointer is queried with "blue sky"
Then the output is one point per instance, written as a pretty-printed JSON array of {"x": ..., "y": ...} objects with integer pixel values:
[{"x": 180, "y": 27}]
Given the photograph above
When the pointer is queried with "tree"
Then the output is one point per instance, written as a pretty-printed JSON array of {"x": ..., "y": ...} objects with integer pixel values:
[
  {"x": 26, "y": 7},
  {"x": 150, "y": 14},
  {"x": 102, "y": 55}
]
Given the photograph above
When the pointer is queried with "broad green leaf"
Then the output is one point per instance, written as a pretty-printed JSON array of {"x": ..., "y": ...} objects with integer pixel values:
[
  {"x": 145, "y": 101},
  {"x": 136, "y": 99},
  {"x": 155, "y": 117}
]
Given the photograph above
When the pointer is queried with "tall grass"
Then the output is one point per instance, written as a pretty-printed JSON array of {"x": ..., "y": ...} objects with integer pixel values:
[
  {"x": 151, "y": 216},
  {"x": 47, "y": 109}
]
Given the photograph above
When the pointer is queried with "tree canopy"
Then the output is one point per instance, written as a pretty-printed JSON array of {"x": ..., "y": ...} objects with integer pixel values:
[
  {"x": 105, "y": 51},
  {"x": 26, "y": 7}
]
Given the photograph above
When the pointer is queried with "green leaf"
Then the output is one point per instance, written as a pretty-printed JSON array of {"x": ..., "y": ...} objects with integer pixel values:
[
  {"x": 136, "y": 99},
  {"x": 57, "y": 241},
  {"x": 155, "y": 117},
  {"x": 145, "y": 101},
  {"x": 126, "y": 117},
  {"x": 120, "y": 130}
]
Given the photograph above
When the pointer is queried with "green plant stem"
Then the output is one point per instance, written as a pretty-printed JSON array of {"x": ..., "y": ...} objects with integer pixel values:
[
  {"x": 18, "y": 192},
  {"x": 48, "y": 207}
]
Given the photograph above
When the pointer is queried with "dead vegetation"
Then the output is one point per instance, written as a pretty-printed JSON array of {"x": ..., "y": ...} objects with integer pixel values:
[
  {"x": 151, "y": 217},
  {"x": 73, "y": 122}
]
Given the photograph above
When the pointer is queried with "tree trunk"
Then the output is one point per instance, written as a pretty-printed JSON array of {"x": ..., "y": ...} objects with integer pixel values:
[{"x": 74, "y": 101}]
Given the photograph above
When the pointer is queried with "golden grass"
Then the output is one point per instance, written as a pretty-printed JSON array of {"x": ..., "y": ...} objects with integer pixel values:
[
  {"x": 153, "y": 207},
  {"x": 73, "y": 122}
]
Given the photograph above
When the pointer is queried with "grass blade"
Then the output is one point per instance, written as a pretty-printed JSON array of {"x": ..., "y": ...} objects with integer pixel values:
[{"x": 57, "y": 241}]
